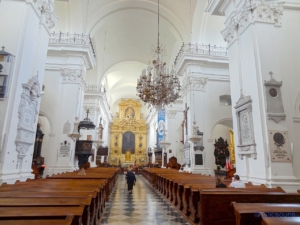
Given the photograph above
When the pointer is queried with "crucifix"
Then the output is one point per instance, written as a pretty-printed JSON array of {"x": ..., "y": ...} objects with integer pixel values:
[
  {"x": 186, "y": 118},
  {"x": 87, "y": 113},
  {"x": 271, "y": 74},
  {"x": 156, "y": 138}
]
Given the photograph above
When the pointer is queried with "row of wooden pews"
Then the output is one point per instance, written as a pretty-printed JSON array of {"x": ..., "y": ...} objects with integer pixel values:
[
  {"x": 67, "y": 198},
  {"x": 200, "y": 202}
]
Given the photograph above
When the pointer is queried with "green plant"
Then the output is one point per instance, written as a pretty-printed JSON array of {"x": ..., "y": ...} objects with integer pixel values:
[{"x": 218, "y": 167}]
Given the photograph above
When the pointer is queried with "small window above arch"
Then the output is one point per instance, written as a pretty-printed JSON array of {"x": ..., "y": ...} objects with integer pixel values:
[{"x": 225, "y": 100}]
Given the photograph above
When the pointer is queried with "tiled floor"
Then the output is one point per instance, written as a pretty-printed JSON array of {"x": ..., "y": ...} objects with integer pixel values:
[{"x": 143, "y": 207}]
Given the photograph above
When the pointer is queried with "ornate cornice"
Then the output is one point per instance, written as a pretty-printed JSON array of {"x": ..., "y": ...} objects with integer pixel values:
[
  {"x": 74, "y": 76},
  {"x": 193, "y": 83},
  {"x": 45, "y": 9},
  {"x": 253, "y": 11}
]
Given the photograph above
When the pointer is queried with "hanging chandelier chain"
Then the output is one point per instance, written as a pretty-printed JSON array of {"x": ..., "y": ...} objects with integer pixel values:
[
  {"x": 157, "y": 86},
  {"x": 158, "y": 24}
]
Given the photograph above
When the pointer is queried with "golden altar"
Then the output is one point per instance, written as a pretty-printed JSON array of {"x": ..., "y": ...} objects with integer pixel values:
[{"x": 128, "y": 137}]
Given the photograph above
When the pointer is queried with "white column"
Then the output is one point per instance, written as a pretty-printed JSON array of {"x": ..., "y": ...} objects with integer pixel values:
[
  {"x": 261, "y": 39},
  {"x": 25, "y": 35}
]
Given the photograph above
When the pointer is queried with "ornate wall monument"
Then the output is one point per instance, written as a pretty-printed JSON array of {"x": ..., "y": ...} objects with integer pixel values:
[
  {"x": 28, "y": 112},
  {"x": 275, "y": 110},
  {"x": 246, "y": 142},
  {"x": 128, "y": 135}
]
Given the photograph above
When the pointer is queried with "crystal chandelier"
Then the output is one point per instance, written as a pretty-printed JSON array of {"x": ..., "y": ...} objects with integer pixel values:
[{"x": 157, "y": 86}]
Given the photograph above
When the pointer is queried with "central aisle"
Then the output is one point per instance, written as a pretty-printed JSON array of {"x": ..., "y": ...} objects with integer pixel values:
[{"x": 143, "y": 207}]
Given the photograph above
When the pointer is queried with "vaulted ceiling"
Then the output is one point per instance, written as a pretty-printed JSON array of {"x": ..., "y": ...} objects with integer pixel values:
[{"x": 125, "y": 31}]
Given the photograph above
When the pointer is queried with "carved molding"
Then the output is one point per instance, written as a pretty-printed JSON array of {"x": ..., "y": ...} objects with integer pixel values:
[
  {"x": 193, "y": 83},
  {"x": 253, "y": 11},
  {"x": 27, "y": 113},
  {"x": 45, "y": 10},
  {"x": 74, "y": 76}
]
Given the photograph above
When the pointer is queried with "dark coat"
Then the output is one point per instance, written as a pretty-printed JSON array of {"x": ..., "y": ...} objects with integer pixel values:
[
  {"x": 130, "y": 177},
  {"x": 221, "y": 185}
]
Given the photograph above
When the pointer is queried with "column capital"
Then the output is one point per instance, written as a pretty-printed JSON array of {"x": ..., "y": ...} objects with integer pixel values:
[
  {"x": 193, "y": 84},
  {"x": 253, "y": 11},
  {"x": 45, "y": 10},
  {"x": 74, "y": 76}
]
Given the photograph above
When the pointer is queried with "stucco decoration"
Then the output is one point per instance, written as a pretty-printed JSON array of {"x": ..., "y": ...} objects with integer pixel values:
[
  {"x": 45, "y": 10},
  {"x": 28, "y": 112},
  {"x": 246, "y": 142},
  {"x": 171, "y": 114},
  {"x": 193, "y": 83},
  {"x": 253, "y": 11},
  {"x": 74, "y": 76},
  {"x": 275, "y": 110}
]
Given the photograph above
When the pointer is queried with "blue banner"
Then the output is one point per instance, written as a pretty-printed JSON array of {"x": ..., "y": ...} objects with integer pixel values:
[{"x": 161, "y": 125}]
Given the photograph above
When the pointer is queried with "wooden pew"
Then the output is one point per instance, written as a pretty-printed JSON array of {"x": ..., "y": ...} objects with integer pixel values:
[
  {"x": 54, "y": 192},
  {"x": 246, "y": 213},
  {"x": 215, "y": 206},
  {"x": 21, "y": 213},
  {"x": 97, "y": 208},
  {"x": 67, "y": 221},
  {"x": 280, "y": 221},
  {"x": 51, "y": 201},
  {"x": 84, "y": 177},
  {"x": 98, "y": 204},
  {"x": 194, "y": 196}
]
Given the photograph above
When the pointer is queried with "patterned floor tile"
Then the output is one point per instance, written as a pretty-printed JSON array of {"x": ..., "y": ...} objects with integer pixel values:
[{"x": 143, "y": 207}]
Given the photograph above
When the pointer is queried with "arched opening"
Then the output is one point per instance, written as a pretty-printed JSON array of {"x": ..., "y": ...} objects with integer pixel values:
[
  {"x": 225, "y": 100},
  {"x": 45, "y": 152}
]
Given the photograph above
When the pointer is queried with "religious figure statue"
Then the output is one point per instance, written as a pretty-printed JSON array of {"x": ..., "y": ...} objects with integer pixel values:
[
  {"x": 129, "y": 113},
  {"x": 128, "y": 156}
]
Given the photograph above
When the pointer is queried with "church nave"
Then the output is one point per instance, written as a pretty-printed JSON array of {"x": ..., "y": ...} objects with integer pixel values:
[{"x": 143, "y": 207}]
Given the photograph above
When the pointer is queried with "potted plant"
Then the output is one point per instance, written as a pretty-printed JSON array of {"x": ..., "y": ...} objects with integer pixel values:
[{"x": 218, "y": 167}]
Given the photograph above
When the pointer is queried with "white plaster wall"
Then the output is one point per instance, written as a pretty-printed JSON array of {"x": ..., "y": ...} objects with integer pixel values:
[
  {"x": 210, "y": 30},
  {"x": 27, "y": 40},
  {"x": 174, "y": 132},
  {"x": 288, "y": 46}
]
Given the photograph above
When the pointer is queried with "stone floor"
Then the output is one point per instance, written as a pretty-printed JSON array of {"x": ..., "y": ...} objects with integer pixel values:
[{"x": 143, "y": 207}]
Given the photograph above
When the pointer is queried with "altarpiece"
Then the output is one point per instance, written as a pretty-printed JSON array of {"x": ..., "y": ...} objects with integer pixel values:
[{"x": 128, "y": 137}]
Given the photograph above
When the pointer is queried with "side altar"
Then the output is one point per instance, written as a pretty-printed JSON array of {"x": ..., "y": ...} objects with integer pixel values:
[{"x": 128, "y": 135}]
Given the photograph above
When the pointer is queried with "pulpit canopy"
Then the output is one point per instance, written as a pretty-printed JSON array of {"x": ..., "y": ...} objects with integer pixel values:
[{"x": 86, "y": 123}]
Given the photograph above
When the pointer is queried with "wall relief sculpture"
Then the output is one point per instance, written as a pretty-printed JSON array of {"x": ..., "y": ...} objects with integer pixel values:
[
  {"x": 28, "y": 112},
  {"x": 246, "y": 142}
]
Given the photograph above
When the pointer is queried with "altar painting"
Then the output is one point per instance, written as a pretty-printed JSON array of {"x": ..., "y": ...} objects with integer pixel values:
[{"x": 128, "y": 142}]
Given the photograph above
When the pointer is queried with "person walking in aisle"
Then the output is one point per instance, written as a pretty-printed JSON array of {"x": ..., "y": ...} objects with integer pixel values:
[{"x": 130, "y": 180}]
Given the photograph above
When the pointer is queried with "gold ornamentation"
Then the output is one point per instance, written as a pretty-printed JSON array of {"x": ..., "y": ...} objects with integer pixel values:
[
  {"x": 231, "y": 147},
  {"x": 129, "y": 119}
]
